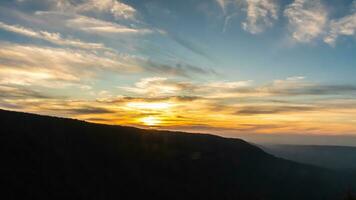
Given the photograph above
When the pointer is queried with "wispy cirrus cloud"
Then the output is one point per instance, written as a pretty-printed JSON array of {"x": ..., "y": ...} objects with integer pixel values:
[
  {"x": 188, "y": 44},
  {"x": 307, "y": 19},
  {"x": 223, "y": 4},
  {"x": 118, "y": 9},
  {"x": 104, "y": 17},
  {"x": 345, "y": 26},
  {"x": 93, "y": 25},
  {"x": 260, "y": 14},
  {"x": 310, "y": 20},
  {"x": 55, "y": 38},
  {"x": 31, "y": 64},
  {"x": 115, "y": 8},
  {"x": 90, "y": 24}
]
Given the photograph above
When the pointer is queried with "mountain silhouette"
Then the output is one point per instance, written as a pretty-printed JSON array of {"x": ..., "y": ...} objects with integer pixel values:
[{"x": 55, "y": 158}]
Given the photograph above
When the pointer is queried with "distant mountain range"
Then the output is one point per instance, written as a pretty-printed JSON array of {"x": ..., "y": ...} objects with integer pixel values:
[
  {"x": 54, "y": 158},
  {"x": 333, "y": 157}
]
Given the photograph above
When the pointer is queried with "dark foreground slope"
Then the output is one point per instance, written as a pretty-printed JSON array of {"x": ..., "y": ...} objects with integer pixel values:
[
  {"x": 53, "y": 158},
  {"x": 333, "y": 157}
]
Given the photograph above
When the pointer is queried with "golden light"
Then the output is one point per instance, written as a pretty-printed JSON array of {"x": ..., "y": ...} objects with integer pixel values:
[
  {"x": 149, "y": 105},
  {"x": 150, "y": 121}
]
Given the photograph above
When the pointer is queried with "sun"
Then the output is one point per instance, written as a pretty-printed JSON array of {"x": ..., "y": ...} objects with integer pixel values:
[{"x": 150, "y": 121}]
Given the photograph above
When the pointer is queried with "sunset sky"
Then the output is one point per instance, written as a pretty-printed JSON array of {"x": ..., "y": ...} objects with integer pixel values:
[{"x": 228, "y": 67}]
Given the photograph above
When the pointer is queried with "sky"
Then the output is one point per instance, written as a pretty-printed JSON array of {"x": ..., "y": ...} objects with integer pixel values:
[{"x": 275, "y": 70}]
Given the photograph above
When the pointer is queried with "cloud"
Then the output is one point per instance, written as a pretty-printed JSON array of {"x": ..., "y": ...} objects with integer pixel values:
[
  {"x": 29, "y": 64},
  {"x": 320, "y": 90},
  {"x": 192, "y": 46},
  {"x": 93, "y": 25},
  {"x": 307, "y": 19},
  {"x": 11, "y": 92},
  {"x": 27, "y": 77},
  {"x": 115, "y": 7},
  {"x": 124, "y": 99},
  {"x": 64, "y": 14},
  {"x": 104, "y": 16},
  {"x": 290, "y": 87},
  {"x": 229, "y": 85},
  {"x": 345, "y": 26},
  {"x": 183, "y": 70},
  {"x": 87, "y": 110},
  {"x": 163, "y": 87},
  {"x": 222, "y": 4},
  {"x": 54, "y": 38},
  {"x": 257, "y": 110},
  {"x": 37, "y": 65},
  {"x": 158, "y": 86},
  {"x": 171, "y": 104},
  {"x": 30, "y": 74},
  {"x": 260, "y": 15},
  {"x": 295, "y": 86}
]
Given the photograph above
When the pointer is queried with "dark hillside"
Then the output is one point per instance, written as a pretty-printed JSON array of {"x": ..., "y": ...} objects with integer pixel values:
[{"x": 54, "y": 158}]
